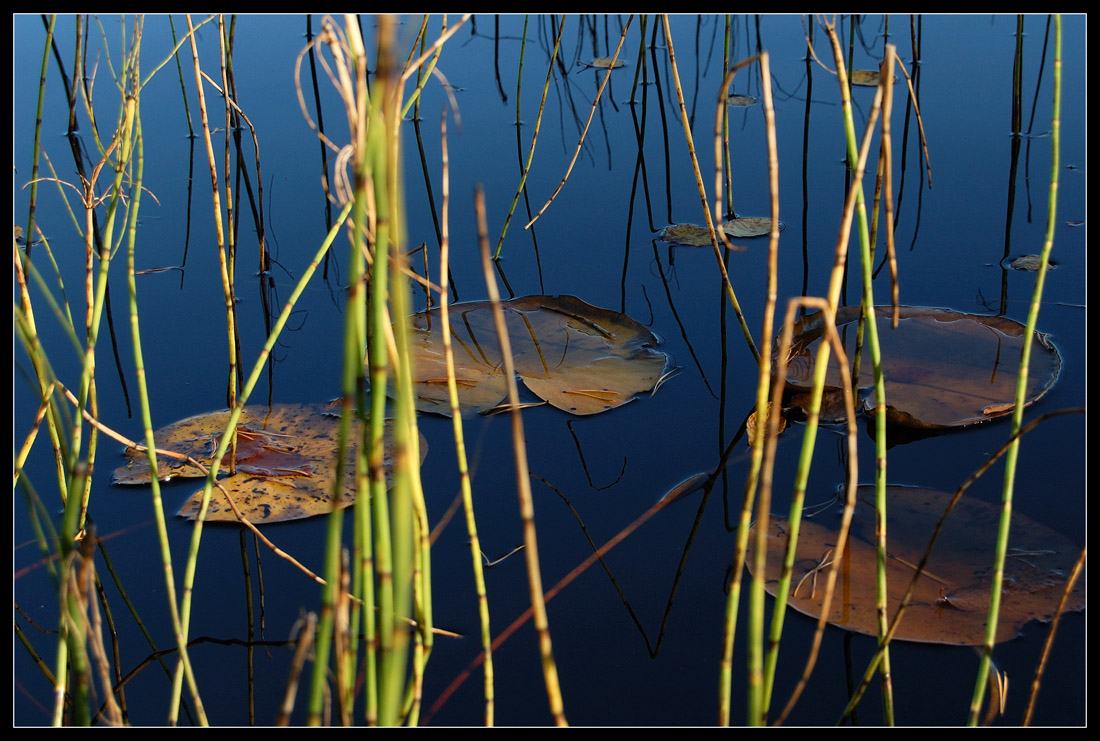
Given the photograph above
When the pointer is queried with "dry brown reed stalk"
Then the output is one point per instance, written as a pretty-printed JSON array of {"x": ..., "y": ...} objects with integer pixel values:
[
  {"x": 460, "y": 440},
  {"x": 886, "y": 164},
  {"x": 305, "y": 628},
  {"x": 1033, "y": 694},
  {"x": 584, "y": 131},
  {"x": 523, "y": 481}
]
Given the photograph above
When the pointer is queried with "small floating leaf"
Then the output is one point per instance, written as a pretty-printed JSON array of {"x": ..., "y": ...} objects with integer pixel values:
[
  {"x": 941, "y": 368},
  {"x": 285, "y": 461},
  {"x": 605, "y": 63},
  {"x": 952, "y": 596},
  {"x": 579, "y": 358},
  {"x": 740, "y": 100},
  {"x": 867, "y": 77},
  {"x": 692, "y": 235},
  {"x": 1029, "y": 262}
]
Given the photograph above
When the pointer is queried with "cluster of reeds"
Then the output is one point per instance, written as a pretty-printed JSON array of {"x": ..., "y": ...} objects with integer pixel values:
[{"x": 374, "y": 621}]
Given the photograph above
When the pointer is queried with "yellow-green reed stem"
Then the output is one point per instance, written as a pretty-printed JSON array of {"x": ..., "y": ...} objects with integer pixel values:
[
  {"x": 523, "y": 479},
  {"x": 411, "y": 528},
  {"x": 703, "y": 194},
  {"x": 223, "y": 260},
  {"x": 422, "y": 73},
  {"x": 876, "y": 360},
  {"x": 726, "y": 124},
  {"x": 584, "y": 132},
  {"x": 460, "y": 440},
  {"x": 535, "y": 134},
  {"x": 764, "y": 377},
  {"x": 1021, "y": 384},
  {"x": 72, "y": 668},
  {"x": 38, "y": 132},
  {"x": 146, "y": 417},
  {"x": 830, "y": 336}
]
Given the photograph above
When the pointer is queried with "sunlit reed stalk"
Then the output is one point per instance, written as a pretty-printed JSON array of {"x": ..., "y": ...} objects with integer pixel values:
[
  {"x": 219, "y": 229},
  {"x": 523, "y": 480},
  {"x": 584, "y": 132},
  {"x": 782, "y": 589},
  {"x": 1071, "y": 580},
  {"x": 763, "y": 359},
  {"x": 1021, "y": 384},
  {"x": 703, "y": 194},
  {"x": 423, "y": 74},
  {"x": 876, "y": 360},
  {"x": 460, "y": 441},
  {"x": 534, "y": 134}
]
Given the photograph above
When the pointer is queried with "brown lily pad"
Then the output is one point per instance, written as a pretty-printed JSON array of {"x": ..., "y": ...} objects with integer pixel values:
[
  {"x": 951, "y": 600},
  {"x": 579, "y": 358},
  {"x": 285, "y": 461},
  {"x": 941, "y": 368}
]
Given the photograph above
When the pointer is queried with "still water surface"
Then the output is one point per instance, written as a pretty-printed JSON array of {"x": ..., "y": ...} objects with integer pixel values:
[{"x": 987, "y": 201}]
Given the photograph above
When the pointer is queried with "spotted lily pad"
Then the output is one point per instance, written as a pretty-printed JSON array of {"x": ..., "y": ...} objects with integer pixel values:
[
  {"x": 285, "y": 461},
  {"x": 577, "y": 357},
  {"x": 952, "y": 596},
  {"x": 867, "y": 77},
  {"x": 740, "y": 100},
  {"x": 941, "y": 368},
  {"x": 692, "y": 235}
]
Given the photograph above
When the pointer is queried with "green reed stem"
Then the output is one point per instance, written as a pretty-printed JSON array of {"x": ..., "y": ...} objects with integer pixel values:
[
  {"x": 535, "y": 133},
  {"x": 424, "y": 74},
  {"x": 876, "y": 361},
  {"x": 523, "y": 479},
  {"x": 1021, "y": 384},
  {"x": 146, "y": 416},
  {"x": 460, "y": 441},
  {"x": 38, "y": 132}
]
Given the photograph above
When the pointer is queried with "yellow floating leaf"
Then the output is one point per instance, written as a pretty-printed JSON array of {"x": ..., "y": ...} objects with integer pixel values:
[{"x": 606, "y": 63}]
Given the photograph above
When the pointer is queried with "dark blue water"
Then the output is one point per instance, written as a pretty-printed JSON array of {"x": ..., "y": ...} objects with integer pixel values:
[{"x": 988, "y": 200}]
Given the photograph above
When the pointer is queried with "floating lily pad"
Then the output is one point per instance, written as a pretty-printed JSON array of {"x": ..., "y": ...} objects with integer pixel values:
[
  {"x": 941, "y": 368},
  {"x": 952, "y": 596},
  {"x": 606, "y": 63},
  {"x": 692, "y": 235},
  {"x": 577, "y": 357},
  {"x": 285, "y": 461},
  {"x": 740, "y": 100},
  {"x": 867, "y": 77}
]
